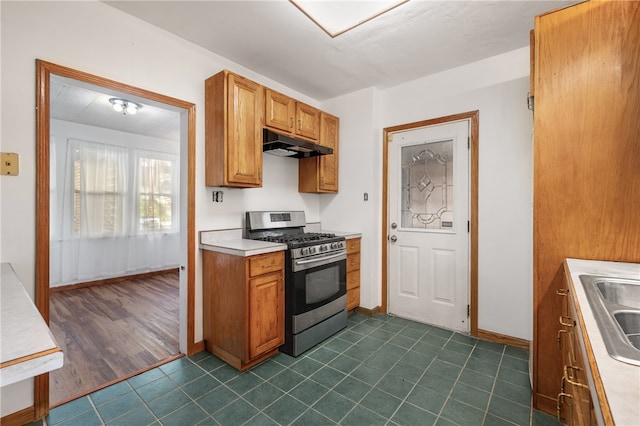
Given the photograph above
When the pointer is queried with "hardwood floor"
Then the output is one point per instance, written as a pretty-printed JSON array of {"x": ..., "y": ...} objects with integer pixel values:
[{"x": 111, "y": 331}]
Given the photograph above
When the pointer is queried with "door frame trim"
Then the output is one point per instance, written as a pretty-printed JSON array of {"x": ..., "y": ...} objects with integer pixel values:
[
  {"x": 473, "y": 117},
  {"x": 44, "y": 70}
]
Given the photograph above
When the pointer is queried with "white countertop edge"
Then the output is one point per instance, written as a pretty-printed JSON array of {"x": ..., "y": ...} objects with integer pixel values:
[
  {"x": 244, "y": 247},
  {"x": 31, "y": 368},
  {"x": 620, "y": 380}
]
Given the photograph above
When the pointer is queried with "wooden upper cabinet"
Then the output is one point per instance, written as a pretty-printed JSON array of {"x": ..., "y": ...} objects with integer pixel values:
[
  {"x": 320, "y": 174},
  {"x": 280, "y": 111},
  {"x": 291, "y": 117},
  {"x": 234, "y": 118},
  {"x": 307, "y": 121}
]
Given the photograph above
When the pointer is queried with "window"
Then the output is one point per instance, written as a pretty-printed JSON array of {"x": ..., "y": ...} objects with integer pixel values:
[
  {"x": 99, "y": 188},
  {"x": 156, "y": 193},
  {"x": 118, "y": 191}
]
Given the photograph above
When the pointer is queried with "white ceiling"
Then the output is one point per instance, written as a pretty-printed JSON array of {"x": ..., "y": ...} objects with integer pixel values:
[
  {"x": 275, "y": 39},
  {"x": 418, "y": 38}
]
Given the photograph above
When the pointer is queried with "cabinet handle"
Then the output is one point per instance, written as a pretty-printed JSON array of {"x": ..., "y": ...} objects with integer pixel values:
[
  {"x": 560, "y": 340},
  {"x": 291, "y": 122},
  {"x": 268, "y": 266},
  {"x": 566, "y": 321},
  {"x": 566, "y": 376},
  {"x": 562, "y": 292},
  {"x": 560, "y": 399}
]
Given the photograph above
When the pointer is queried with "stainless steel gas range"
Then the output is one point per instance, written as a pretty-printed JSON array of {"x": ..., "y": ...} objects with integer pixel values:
[{"x": 315, "y": 277}]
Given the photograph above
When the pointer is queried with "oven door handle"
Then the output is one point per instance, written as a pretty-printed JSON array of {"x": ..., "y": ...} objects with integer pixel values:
[{"x": 319, "y": 259}]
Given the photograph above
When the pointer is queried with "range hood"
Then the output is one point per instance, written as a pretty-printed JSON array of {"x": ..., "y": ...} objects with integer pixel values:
[{"x": 287, "y": 146}]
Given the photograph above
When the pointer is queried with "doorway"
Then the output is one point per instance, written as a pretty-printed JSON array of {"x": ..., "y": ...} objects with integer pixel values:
[
  {"x": 186, "y": 203},
  {"x": 439, "y": 288}
]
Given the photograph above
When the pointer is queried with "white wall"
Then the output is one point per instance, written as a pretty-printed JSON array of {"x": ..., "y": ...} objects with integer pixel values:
[
  {"x": 497, "y": 87},
  {"x": 79, "y": 35}
]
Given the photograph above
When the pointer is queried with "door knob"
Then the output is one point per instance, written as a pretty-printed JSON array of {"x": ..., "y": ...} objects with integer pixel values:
[
  {"x": 394, "y": 225},
  {"x": 393, "y": 238}
]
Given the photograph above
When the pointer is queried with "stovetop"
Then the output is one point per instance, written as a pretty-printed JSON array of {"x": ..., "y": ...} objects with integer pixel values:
[{"x": 302, "y": 239}]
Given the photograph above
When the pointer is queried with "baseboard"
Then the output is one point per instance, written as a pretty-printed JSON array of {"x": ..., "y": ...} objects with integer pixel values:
[
  {"x": 111, "y": 280},
  {"x": 19, "y": 418},
  {"x": 198, "y": 347},
  {"x": 545, "y": 404},
  {"x": 368, "y": 312},
  {"x": 503, "y": 339}
]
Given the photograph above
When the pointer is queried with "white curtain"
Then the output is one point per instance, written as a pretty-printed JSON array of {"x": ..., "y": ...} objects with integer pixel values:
[{"x": 102, "y": 232}]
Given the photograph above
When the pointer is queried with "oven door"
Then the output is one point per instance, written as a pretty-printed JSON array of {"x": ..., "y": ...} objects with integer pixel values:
[{"x": 318, "y": 281}]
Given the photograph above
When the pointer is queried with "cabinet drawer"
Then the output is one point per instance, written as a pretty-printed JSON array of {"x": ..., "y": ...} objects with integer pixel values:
[
  {"x": 353, "y": 262},
  {"x": 263, "y": 264},
  {"x": 353, "y": 298},
  {"x": 353, "y": 245},
  {"x": 353, "y": 279}
]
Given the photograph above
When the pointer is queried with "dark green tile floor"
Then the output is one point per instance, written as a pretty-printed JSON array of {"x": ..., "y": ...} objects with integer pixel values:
[{"x": 379, "y": 371}]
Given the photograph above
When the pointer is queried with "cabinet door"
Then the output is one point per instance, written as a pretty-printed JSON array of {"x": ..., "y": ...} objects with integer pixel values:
[
  {"x": 266, "y": 313},
  {"x": 244, "y": 132},
  {"x": 307, "y": 121},
  {"x": 329, "y": 163},
  {"x": 279, "y": 111}
]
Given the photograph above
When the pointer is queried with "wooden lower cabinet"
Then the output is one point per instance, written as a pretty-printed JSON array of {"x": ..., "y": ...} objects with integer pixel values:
[
  {"x": 353, "y": 273},
  {"x": 574, "y": 405},
  {"x": 243, "y": 306}
]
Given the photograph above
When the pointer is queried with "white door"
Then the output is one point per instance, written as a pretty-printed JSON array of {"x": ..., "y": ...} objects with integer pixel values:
[{"x": 428, "y": 225}]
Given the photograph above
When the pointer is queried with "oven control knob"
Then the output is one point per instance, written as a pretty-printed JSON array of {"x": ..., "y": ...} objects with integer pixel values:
[
  {"x": 334, "y": 245},
  {"x": 303, "y": 251},
  {"x": 323, "y": 248},
  {"x": 312, "y": 250}
]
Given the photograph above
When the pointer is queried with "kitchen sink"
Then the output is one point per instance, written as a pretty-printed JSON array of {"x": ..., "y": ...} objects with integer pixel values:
[
  {"x": 615, "y": 303},
  {"x": 621, "y": 292}
]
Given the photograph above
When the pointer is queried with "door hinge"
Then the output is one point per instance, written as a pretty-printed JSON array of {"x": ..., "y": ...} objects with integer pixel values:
[
  {"x": 390, "y": 137},
  {"x": 468, "y": 226},
  {"x": 468, "y": 311},
  {"x": 468, "y": 142}
]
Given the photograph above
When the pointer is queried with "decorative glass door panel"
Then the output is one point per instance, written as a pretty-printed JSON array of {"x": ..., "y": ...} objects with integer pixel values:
[{"x": 427, "y": 186}]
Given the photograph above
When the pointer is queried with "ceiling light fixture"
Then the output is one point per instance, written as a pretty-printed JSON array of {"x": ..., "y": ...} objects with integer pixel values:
[
  {"x": 338, "y": 17},
  {"x": 125, "y": 106}
]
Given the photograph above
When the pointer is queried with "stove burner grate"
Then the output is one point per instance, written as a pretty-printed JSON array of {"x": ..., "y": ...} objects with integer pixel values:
[{"x": 298, "y": 238}]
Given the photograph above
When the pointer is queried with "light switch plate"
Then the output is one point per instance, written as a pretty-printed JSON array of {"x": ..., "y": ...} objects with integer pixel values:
[{"x": 9, "y": 165}]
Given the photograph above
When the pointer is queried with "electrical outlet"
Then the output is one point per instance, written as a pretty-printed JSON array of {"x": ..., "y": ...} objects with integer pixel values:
[
  {"x": 366, "y": 196},
  {"x": 217, "y": 196},
  {"x": 9, "y": 165}
]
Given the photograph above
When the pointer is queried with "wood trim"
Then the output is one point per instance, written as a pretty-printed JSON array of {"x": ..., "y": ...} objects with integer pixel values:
[
  {"x": 19, "y": 418},
  {"x": 198, "y": 347},
  {"x": 106, "y": 281},
  {"x": 44, "y": 70},
  {"x": 503, "y": 339},
  {"x": 368, "y": 312},
  {"x": 474, "y": 123},
  {"x": 191, "y": 228},
  {"x": 30, "y": 357},
  {"x": 603, "y": 402}
]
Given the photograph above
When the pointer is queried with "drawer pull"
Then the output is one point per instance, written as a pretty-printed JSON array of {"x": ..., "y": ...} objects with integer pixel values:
[
  {"x": 566, "y": 321},
  {"x": 562, "y": 292},
  {"x": 560, "y": 400},
  {"x": 268, "y": 266},
  {"x": 560, "y": 340},
  {"x": 566, "y": 376}
]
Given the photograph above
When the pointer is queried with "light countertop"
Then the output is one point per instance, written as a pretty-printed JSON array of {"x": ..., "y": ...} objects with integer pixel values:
[
  {"x": 28, "y": 348},
  {"x": 621, "y": 381},
  {"x": 230, "y": 241}
]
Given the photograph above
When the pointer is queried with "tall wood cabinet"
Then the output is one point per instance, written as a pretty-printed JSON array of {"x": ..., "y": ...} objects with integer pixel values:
[
  {"x": 586, "y": 159},
  {"x": 243, "y": 306},
  {"x": 320, "y": 174},
  {"x": 234, "y": 118}
]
